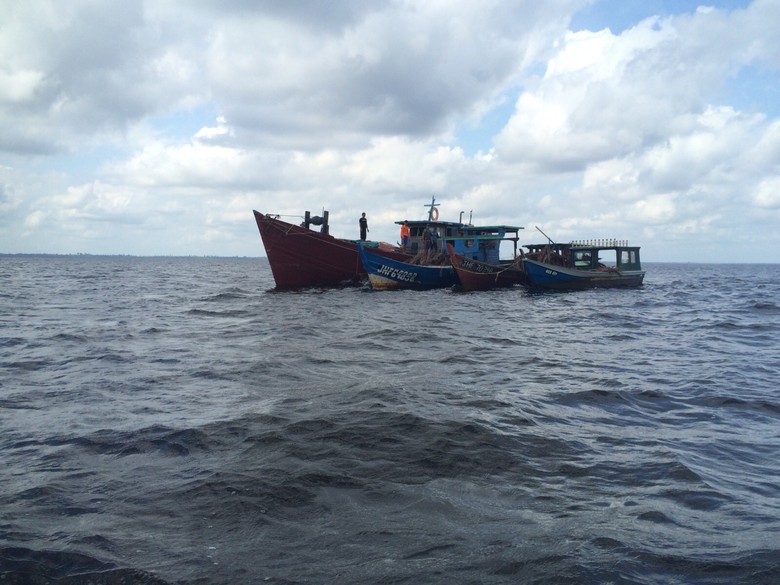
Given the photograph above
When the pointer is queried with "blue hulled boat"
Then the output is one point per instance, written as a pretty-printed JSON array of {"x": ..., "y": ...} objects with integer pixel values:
[
  {"x": 429, "y": 240},
  {"x": 385, "y": 273},
  {"x": 583, "y": 264}
]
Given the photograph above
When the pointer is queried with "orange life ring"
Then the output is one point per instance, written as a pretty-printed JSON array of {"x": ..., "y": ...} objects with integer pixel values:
[{"x": 434, "y": 213}]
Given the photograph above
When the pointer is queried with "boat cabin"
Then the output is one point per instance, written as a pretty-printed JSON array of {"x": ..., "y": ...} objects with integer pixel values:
[
  {"x": 588, "y": 254},
  {"x": 480, "y": 243},
  {"x": 475, "y": 242}
]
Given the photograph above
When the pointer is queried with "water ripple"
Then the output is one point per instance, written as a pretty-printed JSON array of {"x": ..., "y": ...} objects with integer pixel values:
[{"x": 169, "y": 420}]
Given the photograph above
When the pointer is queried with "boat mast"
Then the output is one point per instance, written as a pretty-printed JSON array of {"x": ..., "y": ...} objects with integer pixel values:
[
  {"x": 432, "y": 206},
  {"x": 545, "y": 235}
]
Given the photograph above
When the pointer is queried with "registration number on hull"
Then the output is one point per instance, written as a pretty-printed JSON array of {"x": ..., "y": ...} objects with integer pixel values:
[{"x": 396, "y": 274}]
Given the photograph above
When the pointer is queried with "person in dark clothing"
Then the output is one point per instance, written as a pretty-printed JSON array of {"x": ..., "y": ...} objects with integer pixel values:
[
  {"x": 363, "y": 227},
  {"x": 428, "y": 239}
]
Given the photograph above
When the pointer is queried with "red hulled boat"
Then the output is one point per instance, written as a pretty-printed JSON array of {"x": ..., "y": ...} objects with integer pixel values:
[
  {"x": 301, "y": 257},
  {"x": 476, "y": 275}
]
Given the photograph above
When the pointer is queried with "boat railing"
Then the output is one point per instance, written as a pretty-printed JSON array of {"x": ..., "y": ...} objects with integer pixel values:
[{"x": 600, "y": 243}]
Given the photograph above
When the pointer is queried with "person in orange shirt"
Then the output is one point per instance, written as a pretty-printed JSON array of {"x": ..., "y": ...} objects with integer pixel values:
[{"x": 404, "y": 235}]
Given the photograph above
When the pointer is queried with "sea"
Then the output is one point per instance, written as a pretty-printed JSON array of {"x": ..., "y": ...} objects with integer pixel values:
[{"x": 177, "y": 421}]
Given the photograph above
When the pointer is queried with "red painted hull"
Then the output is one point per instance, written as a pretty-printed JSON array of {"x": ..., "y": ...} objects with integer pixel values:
[
  {"x": 300, "y": 257},
  {"x": 475, "y": 275}
]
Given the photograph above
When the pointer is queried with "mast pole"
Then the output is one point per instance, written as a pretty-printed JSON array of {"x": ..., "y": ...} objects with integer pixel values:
[
  {"x": 545, "y": 235},
  {"x": 432, "y": 205}
]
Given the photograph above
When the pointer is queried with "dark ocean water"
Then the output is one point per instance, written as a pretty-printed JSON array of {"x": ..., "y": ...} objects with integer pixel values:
[{"x": 170, "y": 420}]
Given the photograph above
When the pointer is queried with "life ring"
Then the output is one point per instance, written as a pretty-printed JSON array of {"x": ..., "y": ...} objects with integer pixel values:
[{"x": 434, "y": 213}]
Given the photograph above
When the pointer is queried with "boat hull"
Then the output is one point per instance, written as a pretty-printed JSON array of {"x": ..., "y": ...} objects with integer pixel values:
[
  {"x": 552, "y": 276},
  {"x": 300, "y": 257},
  {"x": 389, "y": 274},
  {"x": 475, "y": 275}
]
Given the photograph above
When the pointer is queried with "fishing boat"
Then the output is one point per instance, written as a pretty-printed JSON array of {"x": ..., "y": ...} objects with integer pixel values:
[
  {"x": 430, "y": 266},
  {"x": 302, "y": 257},
  {"x": 474, "y": 275},
  {"x": 583, "y": 264},
  {"x": 470, "y": 241},
  {"x": 385, "y": 273}
]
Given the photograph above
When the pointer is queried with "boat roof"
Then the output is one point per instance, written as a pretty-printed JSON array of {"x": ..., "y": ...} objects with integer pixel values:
[
  {"x": 456, "y": 224},
  {"x": 481, "y": 237},
  {"x": 594, "y": 245},
  {"x": 468, "y": 226}
]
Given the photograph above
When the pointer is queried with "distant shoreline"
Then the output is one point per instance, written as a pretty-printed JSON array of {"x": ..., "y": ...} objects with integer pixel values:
[{"x": 265, "y": 258}]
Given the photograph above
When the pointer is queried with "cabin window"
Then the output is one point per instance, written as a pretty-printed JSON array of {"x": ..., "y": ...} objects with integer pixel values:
[
  {"x": 629, "y": 259},
  {"x": 583, "y": 258}
]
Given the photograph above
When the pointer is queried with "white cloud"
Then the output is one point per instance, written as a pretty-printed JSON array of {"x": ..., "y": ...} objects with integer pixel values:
[
  {"x": 400, "y": 69},
  {"x": 19, "y": 86},
  {"x": 221, "y": 130},
  {"x": 355, "y": 106},
  {"x": 767, "y": 194},
  {"x": 655, "y": 209},
  {"x": 634, "y": 115},
  {"x": 34, "y": 219}
]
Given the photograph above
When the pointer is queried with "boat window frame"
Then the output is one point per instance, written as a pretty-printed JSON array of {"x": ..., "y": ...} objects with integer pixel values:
[
  {"x": 629, "y": 259},
  {"x": 578, "y": 258}
]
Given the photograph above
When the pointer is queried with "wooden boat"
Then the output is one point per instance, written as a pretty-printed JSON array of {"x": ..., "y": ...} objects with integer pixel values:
[
  {"x": 432, "y": 268},
  {"x": 480, "y": 243},
  {"x": 475, "y": 275},
  {"x": 583, "y": 264},
  {"x": 301, "y": 257},
  {"x": 386, "y": 273}
]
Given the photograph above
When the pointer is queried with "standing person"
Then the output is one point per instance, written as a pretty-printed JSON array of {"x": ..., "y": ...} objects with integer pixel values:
[
  {"x": 404, "y": 235},
  {"x": 363, "y": 227},
  {"x": 427, "y": 239}
]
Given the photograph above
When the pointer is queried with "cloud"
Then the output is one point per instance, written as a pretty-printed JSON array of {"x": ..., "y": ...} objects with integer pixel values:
[
  {"x": 767, "y": 194},
  {"x": 400, "y": 69},
  {"x": 19, "y": 86},
  {"x": 158, "y": 126},
  {"x": 634, "y": 115},
  {"x": 85, "y": 68}
]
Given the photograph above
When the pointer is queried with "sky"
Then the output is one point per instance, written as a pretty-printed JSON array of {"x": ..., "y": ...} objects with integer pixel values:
[{"x": 156, "y": 127}]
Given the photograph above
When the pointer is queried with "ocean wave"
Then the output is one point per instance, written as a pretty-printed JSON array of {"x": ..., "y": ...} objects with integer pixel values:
[{"x": 160, "y": 425}]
